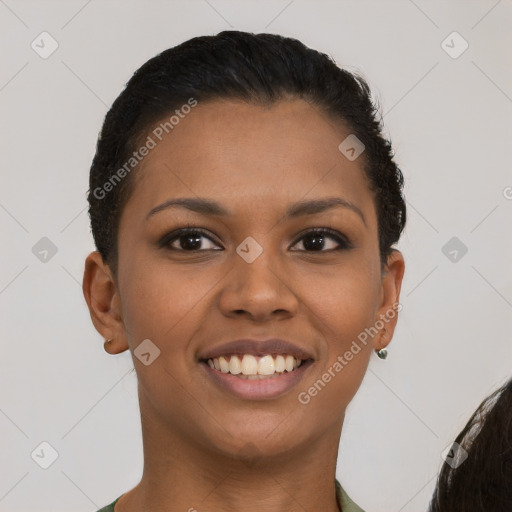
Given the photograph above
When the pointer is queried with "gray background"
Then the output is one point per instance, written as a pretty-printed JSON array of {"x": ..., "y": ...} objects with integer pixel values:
[{"x": 450, "y": 121}]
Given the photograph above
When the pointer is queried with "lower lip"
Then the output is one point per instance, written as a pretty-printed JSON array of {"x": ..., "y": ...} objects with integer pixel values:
[{"x": 257, "y": 389}]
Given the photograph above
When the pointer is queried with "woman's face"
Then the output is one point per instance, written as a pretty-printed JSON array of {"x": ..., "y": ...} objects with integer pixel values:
[{"x": 253, "y": 273}]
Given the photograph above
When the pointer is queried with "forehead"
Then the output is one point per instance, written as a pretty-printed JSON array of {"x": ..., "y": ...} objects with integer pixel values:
[{"x": 250, "y": 155}]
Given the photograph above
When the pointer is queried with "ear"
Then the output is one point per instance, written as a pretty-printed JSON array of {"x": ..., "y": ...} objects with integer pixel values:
[
  {"x": 102, "y": 297},
  {"x": 387, "y": 313}
]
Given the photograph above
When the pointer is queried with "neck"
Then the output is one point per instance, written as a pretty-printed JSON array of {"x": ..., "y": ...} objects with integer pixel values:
[{"x": 180, "y": 475}]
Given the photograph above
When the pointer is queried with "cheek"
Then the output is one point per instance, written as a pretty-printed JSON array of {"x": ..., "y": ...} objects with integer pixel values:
[
  {"x": 165, "y": 303},
  {"x": 344, "y": 306},
  {"x": 153, "y": 299},
  {"x": 342, "y": 315},
  {"x": 344, "y": 300},
  {"x": 349, "y": 311},
  {"x": 346, "y": 356}
]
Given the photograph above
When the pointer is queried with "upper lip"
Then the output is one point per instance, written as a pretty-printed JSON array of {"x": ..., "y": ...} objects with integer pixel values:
[{"x": 256, "y": 348}]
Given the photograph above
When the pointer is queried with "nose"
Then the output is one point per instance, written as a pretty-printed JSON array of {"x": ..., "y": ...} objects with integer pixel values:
[{"x": 259, "y": 290}]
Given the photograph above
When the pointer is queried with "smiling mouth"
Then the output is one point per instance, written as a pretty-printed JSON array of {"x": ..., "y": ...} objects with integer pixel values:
[{"x": 248, "y": 366}]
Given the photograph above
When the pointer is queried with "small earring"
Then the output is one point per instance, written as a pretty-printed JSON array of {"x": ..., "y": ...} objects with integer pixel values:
[
  {"x": 382, "y": 353},
  {"x": 107, "y": 342}
]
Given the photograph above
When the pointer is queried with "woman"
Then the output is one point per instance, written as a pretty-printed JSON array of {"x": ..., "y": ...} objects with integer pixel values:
[{"x": 244, "y": 205}]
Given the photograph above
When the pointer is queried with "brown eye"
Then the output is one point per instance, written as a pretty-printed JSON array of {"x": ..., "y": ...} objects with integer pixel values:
[
  {"x": 317, "y": 239},
  {"x": 187, "y": 240}
]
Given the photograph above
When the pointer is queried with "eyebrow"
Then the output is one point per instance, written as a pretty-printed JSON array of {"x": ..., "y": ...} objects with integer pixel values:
[{"x": 206, "y": 206}]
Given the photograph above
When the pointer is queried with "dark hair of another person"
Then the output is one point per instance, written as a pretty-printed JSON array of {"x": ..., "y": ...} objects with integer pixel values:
[
  {"x": 483, "y": 481},
  {"x": 259, "y": 69}
]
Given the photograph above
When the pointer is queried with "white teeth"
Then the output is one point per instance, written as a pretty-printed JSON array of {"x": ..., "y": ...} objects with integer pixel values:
[
  {"x": 224, "y": 365},
  {"x": 266, "y": 366},
  {"x": 252, "y": 367},
  {"x": 249, "y": 365},
  {"x": 280, "y": 366},
  {"x": 235, "y": 366}
]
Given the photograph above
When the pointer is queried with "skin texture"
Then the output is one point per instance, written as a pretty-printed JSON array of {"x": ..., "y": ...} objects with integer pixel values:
[{"x": 203, "y": 447}]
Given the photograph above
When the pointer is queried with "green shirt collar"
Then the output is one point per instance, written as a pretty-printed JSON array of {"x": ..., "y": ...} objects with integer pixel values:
[{"x": 344, "y": 501}]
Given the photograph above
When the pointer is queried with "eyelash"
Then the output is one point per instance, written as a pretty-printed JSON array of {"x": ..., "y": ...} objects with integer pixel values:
[{"x": 343, "y": 242}]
